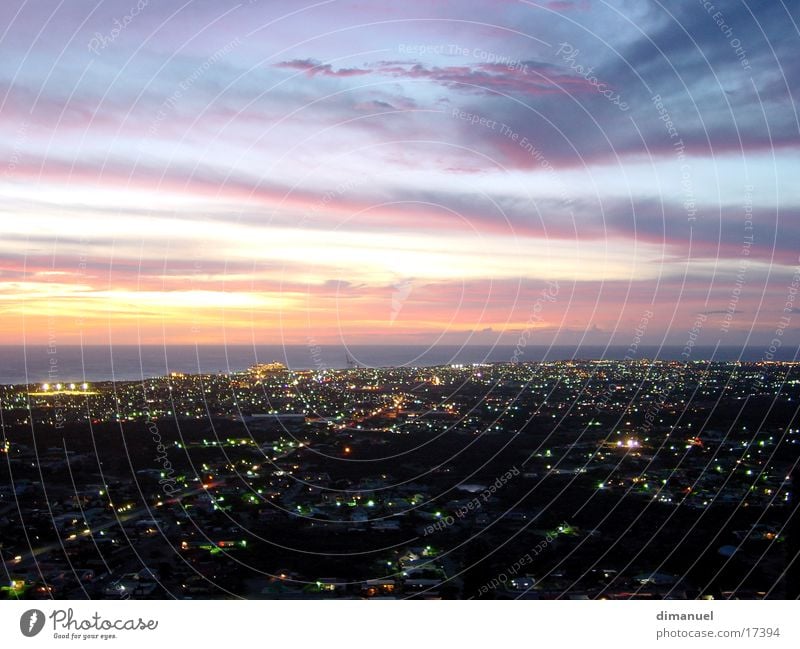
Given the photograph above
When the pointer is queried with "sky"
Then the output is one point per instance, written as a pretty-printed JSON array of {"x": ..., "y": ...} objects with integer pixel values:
[{"x": 375, "y": 172}]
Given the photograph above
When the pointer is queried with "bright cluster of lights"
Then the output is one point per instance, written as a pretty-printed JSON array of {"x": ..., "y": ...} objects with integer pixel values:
[{"x": 46, "y": 387}]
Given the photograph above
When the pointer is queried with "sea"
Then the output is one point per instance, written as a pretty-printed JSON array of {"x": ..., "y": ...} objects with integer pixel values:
[{"x": 40, "y": 364}]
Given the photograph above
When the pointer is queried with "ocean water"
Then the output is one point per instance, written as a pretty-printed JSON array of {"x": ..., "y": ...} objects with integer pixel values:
[{"x": 36, "y": 364}]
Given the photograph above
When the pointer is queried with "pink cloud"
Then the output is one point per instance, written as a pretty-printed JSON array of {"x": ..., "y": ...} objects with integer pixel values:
[
  {"x": 313, "y": 68},
  {"x": 512, "y": 77}
]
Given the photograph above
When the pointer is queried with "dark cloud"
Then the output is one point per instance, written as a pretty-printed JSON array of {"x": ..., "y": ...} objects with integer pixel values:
[{"x": 718, "y": 231}]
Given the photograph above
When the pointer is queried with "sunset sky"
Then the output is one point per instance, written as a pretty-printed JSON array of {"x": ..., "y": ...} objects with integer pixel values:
[{"x": 398, "y": 172}]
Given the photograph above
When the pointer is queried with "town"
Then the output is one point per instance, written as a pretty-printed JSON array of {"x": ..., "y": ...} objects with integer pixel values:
[{"x": 565, "y": 479}]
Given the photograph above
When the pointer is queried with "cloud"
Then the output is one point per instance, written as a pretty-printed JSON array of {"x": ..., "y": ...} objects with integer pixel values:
[
  {"x": 526, "y": 78},
  {"x": 567, "y": 5},
  {"x": 315, "y": 68},
  {"x": 285, "y": 134}
]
